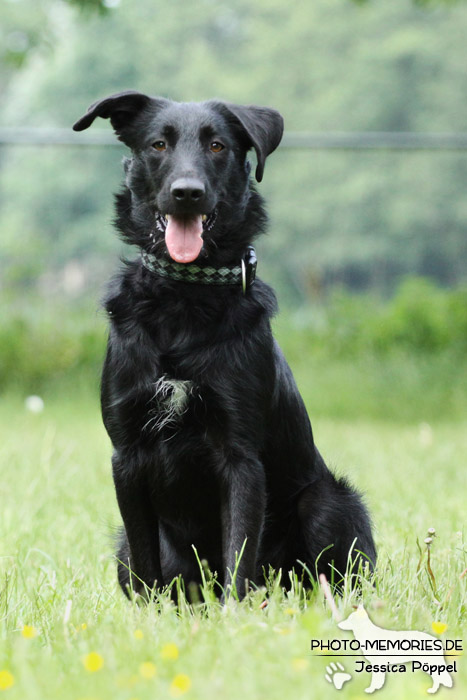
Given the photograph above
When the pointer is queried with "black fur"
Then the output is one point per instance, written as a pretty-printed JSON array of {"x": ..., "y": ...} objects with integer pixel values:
[{"x": 239, "y": 463}]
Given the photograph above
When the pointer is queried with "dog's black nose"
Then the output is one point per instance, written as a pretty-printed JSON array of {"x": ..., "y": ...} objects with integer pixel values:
[{"x": 187, "y": 190}]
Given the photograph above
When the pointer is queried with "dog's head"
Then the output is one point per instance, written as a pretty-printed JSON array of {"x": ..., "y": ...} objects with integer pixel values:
[
  {"x": 188, "y": 175},
  {"x": 354, "y": 620}
]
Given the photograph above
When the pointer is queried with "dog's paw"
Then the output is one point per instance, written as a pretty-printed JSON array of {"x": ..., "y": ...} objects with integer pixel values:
[{"x": 336, "y": 674}]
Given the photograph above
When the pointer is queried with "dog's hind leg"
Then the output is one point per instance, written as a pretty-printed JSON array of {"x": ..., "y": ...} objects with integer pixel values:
[
  {"x": 440, "y": 678},
  {"x": 335, "y": 527},
  {"x": 435, "y": 685}
]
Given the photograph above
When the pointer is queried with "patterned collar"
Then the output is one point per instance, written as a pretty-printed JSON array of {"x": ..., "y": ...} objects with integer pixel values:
[{"x": 243, "y": 274}]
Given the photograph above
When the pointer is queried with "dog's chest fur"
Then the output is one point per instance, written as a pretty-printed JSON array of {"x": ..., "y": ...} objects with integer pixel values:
[
  {"x": 186, "y": 369},
  {"x": 170, "y": 402}
]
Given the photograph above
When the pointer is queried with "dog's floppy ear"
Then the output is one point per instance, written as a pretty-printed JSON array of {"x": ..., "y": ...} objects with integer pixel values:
[
  {"x": 120, "y": 108},
  {"x": 263, "y": 127}
]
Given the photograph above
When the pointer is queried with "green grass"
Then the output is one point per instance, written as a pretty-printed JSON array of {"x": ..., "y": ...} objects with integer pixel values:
[{"x": 58, "y": 515}]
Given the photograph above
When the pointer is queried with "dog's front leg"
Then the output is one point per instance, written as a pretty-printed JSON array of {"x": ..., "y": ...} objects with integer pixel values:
[
  {"x": 243, "y": 509},
  {"x": 377, "y": 681},
  {"x": 139, "y": 557}
]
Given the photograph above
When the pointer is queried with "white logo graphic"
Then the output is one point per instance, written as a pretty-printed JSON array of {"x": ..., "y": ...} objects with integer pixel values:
[
  {"x": 336, "y": 675},
  {"x": 370, "y": 637}
]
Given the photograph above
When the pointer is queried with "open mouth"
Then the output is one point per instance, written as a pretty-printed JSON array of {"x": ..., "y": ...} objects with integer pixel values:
[{"x": 184, "y": 234}]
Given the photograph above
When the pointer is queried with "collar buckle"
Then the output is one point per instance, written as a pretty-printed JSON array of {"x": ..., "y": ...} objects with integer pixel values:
[{"x": 249, "y": 263}]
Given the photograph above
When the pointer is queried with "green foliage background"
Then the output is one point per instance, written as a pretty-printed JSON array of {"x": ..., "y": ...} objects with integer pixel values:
[
  {"x": 361, "y": 219},
  {"x": 401, "y": 360}
]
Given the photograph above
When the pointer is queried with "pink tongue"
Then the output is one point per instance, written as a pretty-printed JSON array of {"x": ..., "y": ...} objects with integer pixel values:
[{"x": 183, "y": 238}]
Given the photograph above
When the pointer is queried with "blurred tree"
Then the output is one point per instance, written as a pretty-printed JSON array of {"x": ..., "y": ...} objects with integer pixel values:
[
  {"x": 419, "y": 3},
  {"x": 101, "y": 6},
  {"x": 27, "y": 25},
  {"x": 362, "y": 219}
]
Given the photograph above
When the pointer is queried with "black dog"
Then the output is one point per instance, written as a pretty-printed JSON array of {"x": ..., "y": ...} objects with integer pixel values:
[{"x": 212, "y": 443}]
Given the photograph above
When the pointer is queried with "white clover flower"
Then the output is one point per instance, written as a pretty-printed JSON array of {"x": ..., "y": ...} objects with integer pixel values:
[{"x": 34, "y": 404}]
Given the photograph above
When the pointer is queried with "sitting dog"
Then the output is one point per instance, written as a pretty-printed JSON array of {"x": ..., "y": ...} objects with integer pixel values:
[{"x": 213, "y": 447}]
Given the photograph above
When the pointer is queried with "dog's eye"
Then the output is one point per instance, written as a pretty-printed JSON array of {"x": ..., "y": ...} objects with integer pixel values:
[
  {"x": 216, "y": 147},
  {"x": 159, "y": 145}
]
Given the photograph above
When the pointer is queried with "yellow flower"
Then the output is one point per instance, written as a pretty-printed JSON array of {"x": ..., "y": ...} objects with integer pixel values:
[
  {"x": 439, "y": 627},
  {"x": 290, "y": 611},
  {"x": 147, "y": 670},
  {"x": 299, "y": 664},
  {"x": 180, "y": 685},
  {"x": 6, "y": 680},
  {"x": 169, "y": 652},
  {"x": 83, "y": 626},
  {"x": 29, "y": 632},
  {"x": 93, "y": 662},
  {"x": 138, "y": 634}
]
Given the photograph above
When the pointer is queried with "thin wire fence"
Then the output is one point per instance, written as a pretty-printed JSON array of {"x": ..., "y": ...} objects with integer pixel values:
[
  {"x": 353, "y": 209},
  {"x": 371, "y": 140}
]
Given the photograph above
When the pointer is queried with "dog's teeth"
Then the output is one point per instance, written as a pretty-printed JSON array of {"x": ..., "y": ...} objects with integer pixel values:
[
  {"x": 166, "y": 217},
  {"x": 203, "y": 218}
]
